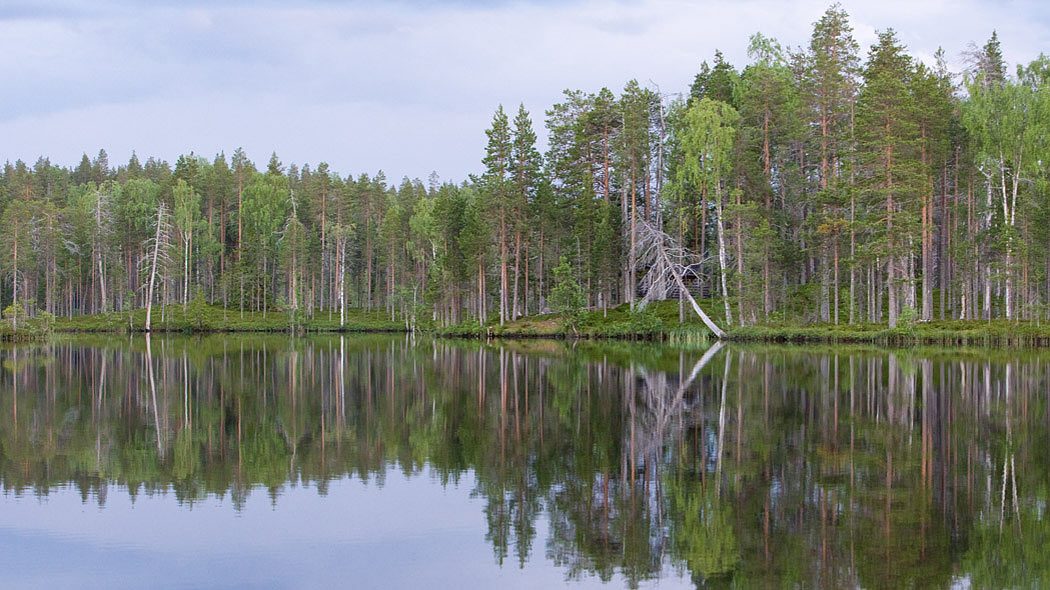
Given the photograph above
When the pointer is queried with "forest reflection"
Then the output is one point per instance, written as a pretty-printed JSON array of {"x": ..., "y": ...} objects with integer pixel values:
[{"x": 754, "y": 467}]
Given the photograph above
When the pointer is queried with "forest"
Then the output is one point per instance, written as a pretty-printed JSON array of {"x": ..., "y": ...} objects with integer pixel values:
[{"x": 813, "y": 185}]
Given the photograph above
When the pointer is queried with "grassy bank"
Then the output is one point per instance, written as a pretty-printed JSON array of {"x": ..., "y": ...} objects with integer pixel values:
[
  {"x": 954, "y": 333},
  {"x": 208, "y": 318},
  {"x": 28, "y": 330},
  {"x": 659, "y": 321},
  {"x": 7, "y": 334}
]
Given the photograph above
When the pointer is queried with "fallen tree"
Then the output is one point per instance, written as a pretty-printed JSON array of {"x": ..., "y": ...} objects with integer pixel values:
[{"x": 667, "y": 262}]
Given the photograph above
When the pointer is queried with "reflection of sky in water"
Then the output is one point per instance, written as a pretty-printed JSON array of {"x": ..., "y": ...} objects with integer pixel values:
[
  {"x": 763, "y": 471},
  {"x": 407, "y": 532}
]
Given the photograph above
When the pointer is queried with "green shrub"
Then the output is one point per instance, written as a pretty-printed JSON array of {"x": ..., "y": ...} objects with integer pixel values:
[
  {"x": 15, "y": 313},
  {"x": 197, "y": 313},
  {"x": 566, "y": 295}
]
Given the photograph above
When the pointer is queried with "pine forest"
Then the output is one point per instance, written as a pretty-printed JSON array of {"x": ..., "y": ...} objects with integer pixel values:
[{"x": 819, "y": 184}]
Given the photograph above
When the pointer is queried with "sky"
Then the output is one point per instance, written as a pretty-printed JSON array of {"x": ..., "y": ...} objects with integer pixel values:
[{"x": 407, "y": 87}]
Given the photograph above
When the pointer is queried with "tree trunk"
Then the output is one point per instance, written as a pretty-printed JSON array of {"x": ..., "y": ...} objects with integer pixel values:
[
  {"x": 739, "y": 262},
  {"x": 186, "y": 270},
  {"x": 502, "y": 268},
  {"x": 722, "y": 265},
  {"x": 14, "y": 281},
  {"x": 852, "y": 259},
  {"x": 891, "y": 273},
  {"x": 517, "y": 267},
  {"x": 341, "y": 280},
  {"x": 835, "y": 278},
  {"x": 632, "y": 285},
  {"x": 153, "y": 266},
  {"x": 541, "y": 299}
]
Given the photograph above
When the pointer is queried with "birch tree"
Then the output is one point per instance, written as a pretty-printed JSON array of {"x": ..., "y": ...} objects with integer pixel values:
[
  {"x": 707, "y": 137},
  {"x": 187, "y": 212},
  {"x": 1008, "y": 122}
]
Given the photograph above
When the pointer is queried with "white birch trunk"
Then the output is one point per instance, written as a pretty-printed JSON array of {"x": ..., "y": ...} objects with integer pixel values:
[{"x": 722, "y": 260}]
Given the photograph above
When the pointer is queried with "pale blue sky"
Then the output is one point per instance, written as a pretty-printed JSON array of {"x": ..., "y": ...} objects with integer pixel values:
[{"x": 408, "y": 87}]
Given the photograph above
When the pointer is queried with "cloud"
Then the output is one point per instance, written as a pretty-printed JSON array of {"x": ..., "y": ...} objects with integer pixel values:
[{"x": 411, "y": 83}]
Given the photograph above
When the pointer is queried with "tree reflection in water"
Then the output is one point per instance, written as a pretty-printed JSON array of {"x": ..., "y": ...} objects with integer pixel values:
[{"x": 741, "y": 466}]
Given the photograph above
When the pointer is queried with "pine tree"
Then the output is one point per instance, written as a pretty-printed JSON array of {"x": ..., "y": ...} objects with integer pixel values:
[
  {"x": 499, "y": 194},
  {"x": 242, "y": 173},
  {"x": 832, "y": 69},
  {"x": 525, "y": 166},
  {"x": 82, "y": 174},
  {"x": 717, "y": 82},
  {"x": 17, "y": 222},
  {"x": 220, "y": 194},
  {"x": 888, "y": 157},
  {"x": 636, "y": 104},
  {"x": 768, "y": 101},
  {"x": 933, "y": 112}
]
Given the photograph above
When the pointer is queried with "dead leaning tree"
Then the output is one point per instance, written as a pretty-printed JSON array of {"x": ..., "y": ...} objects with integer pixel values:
[
  {"x": 667, "y": 262},
  {"x": 157, "y": 257}
]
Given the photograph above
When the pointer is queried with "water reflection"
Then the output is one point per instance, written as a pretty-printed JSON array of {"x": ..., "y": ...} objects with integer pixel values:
[{"x": 756, "y": 467}]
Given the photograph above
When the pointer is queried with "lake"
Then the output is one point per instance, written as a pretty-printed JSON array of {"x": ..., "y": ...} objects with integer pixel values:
[{"x": 392, "y": 462}]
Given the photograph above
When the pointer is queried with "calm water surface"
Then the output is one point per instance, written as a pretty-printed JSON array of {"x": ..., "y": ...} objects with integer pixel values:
[{"x": 383, "y": 462}]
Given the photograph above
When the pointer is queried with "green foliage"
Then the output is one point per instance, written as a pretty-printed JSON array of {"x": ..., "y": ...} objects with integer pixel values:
[
  {"x": 197, "y": 313},
  {"x": 707, "y": 139},
  {"x": 906, "y": 322},
  {"x": 15, "y": 314},
  {"x": 20, "y": 327},
  {"x": 44, "y": 323},
  {"x": 716, "y": 82},
  {"x": 645, "y": 321},
  {"x": 566, "y": 296}
]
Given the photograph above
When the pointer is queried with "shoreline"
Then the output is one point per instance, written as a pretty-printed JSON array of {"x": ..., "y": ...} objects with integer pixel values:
[{"x": 658, "y": 323}]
